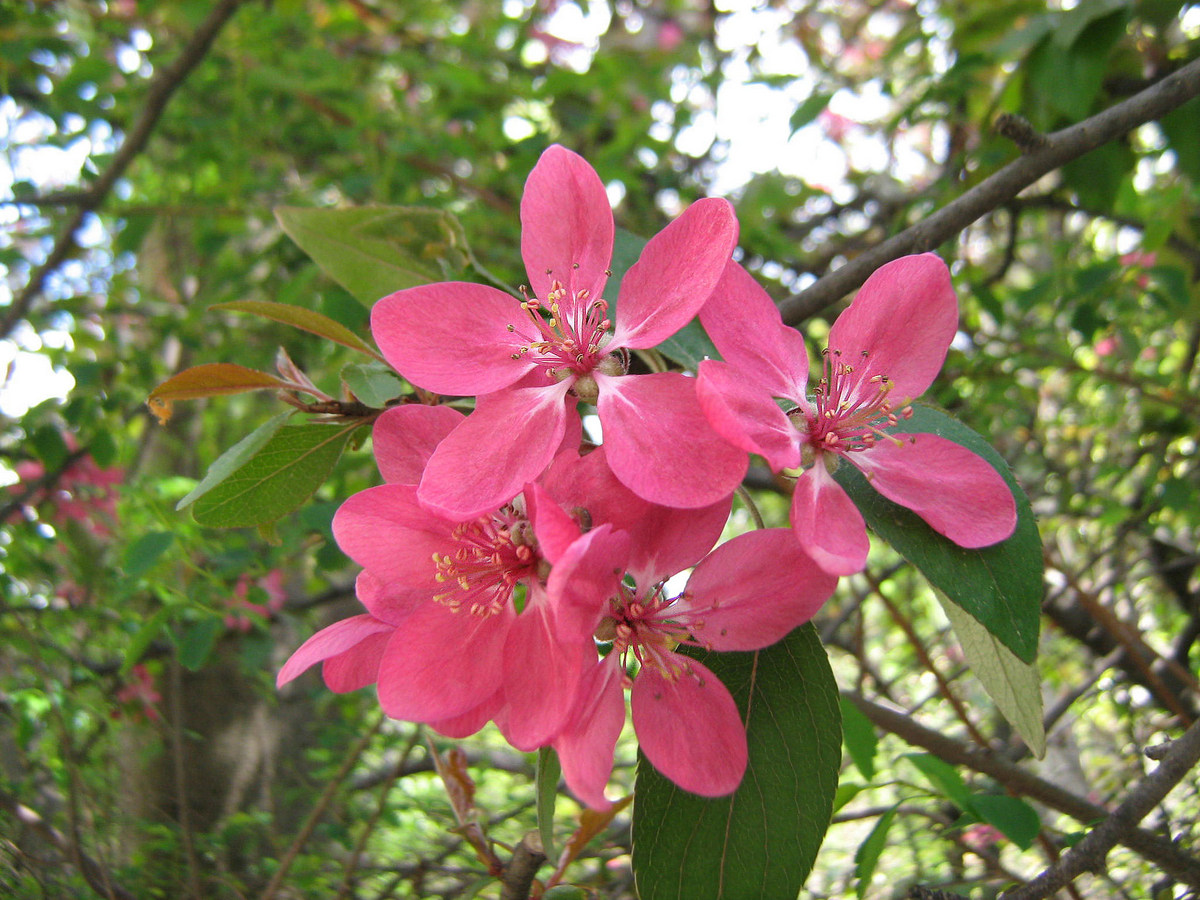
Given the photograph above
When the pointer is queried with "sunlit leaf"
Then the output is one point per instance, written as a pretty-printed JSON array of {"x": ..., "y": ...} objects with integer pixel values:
[
  {"x": 866, "y": 858},
  {"x": 304, "y": 319},
  {"x": 234, "y": 458}
]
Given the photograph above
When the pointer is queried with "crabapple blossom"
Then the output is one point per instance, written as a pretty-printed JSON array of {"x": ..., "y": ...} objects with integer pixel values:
[
  {"x": 532, "y": 361},
  {"x": 884, "y": 351}
]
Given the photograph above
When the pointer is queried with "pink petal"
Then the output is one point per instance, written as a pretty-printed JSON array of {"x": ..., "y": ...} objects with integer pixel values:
[
  {"x": 541, "y": 676},
  {"x": 746, "y": 415},
  {"x": 471, "y": 721},
  {"x": 828, "y": 524},
  {"x": 955, "y": 490},
  {"x": 585, "y": 748},
  {"x": 904, "y": 318},
  {"x": 744, "y": 324},
  {"x": 584, "y": 578},
  {"x": 387, "y": 601},
  {"x": 505, "y": 443},
  {"x": 660, "y": 445},
  {"x": 753, "y": 591},
  {"x": 355, "y": 668},
  {"x": 453, "y": 337},
  {"x": 331, "y": 641},
  {"x": 675, "y": 274},
  {"x": 553, "y": 526},
  {"x": 566, "y": 225},
  {"x": 690, "y": 729},
  {"x": 384, "y": 529},
  {"x": 440, "y": 664},
  {"x": 404, "y": 437}
]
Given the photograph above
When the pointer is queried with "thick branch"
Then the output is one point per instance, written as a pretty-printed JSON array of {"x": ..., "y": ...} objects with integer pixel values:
[
  {"x": 1162, "y": 852},
  {"x": 157, "y": 96},
  {"x": 1089, "y": 854},
  {"x": 1059, "y": 148}
]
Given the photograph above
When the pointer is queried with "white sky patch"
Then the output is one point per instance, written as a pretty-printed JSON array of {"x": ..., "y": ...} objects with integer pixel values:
[{"x": 30, "y": 379}]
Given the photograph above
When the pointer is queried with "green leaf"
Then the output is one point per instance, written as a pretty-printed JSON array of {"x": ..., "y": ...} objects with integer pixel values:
[
  {"x": 1001, "y": 586},
  {"x": 234, "y": 458},
  {"x": 376, "y": 250},
  {"x": 866, "y": 858},
  {"x": 145, "y": 552},
  {"x": 546, "y": 779},
  {"x": 1013, "y": 685},
  {"x": 50, "y": 445},
  {"x": 1013, "y": 817},
  {"x": 198, "y": 641},
  {"x": 285, "y": 472},
  {"x": 812, "y": 107},
  {"x": 304, "y": 319},
  {"x": 143, "y": 638},
  {"x": 373, "y": 384},
  {"x": 943, "y": 778},
  {"x": 858, "y": 734},
  {"x": 760, "y": 842}
]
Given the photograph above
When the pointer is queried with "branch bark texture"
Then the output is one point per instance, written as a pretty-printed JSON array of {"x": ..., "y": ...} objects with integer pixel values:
[{"x": 997, "y": 189}]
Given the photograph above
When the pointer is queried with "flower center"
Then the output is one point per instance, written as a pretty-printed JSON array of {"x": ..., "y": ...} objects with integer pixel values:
[
  {"x": 565, "y": 334},
  {"x": 646, "y": 629},
  {"x": 490, "y": 556},
  {"x": 851, "y": 412}
]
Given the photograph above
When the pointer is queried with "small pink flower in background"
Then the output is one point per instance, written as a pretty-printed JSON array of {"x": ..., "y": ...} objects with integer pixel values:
[
  {"x": 748, "y": 593},
  {"x": 1139, "y": 260},
  {"x": 1107, "y": 345},
  {"x": 83, "y": 492},
  {"x": 884, "y": 350},
  {"x": 532, "y": 361},
  {"x": 980, "y": 837},
  {"x": 139, "y": 695},
  {"x": 669, "y": 36},
  {"x": 244, "y": 612},
  {"x": 836, "y": 126}
]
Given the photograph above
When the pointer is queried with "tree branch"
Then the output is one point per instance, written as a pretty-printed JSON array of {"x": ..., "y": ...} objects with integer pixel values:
[
  {"x": 1089, "y": 854},
  {"x": 1162, "y": 852},
  {"x": 1059, "y": 148},
  {"x": 157, "y": 96}
]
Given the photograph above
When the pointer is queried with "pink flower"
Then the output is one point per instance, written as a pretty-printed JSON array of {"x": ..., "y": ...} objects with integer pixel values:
[
  {"x": 981, "y": 837},
  {"x": 884, "y": 351},
  {"x": 748, "y": 593},
  {"x": 243, "y": 612},
  {"x": 532, "y": 361},
  {"x": 140, "y": 694}
]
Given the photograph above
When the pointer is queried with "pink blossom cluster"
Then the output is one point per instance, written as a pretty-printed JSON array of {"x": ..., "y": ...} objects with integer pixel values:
[
  {"x": 83, "y": 492},
  {"x": 242, "y": 612},
  {"x": 515, "y": 573}
]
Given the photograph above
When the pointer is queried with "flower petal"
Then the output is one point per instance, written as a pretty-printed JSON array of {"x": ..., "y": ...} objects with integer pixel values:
[
  {"x": 566, "y": 225},
  {"x": 585, "y": 748},
  {"x": 956, "y": 491},
  {"x": 552, "y": 525},
  {"x": 690, "y": 729},
  {"x": 541, "y": 676},
  {"x": 387, "y": 601},
  {"x": 505, "y": 443},
  {"x": 903, "y": 319},
  {"x": 338, "y": 638},
  {"x": 471, "y": 721},
  {"x": 746, "y": 415},
  {"x": 384, "y": 529},
  {"x": 404, "y": 437},
  {"x": 453, "y": 337},
  {"x": 355, "y": 668},
  {"x": 753, "y": 591},
  {"x": 830, "y": 527},
  {"x": 744, "y": 324},
  {"x": 585, "y": 578},
  {"x": 676, "y": 274},
  {"x": 660, "y": 445},
  {"x": 440, "y": 664}
]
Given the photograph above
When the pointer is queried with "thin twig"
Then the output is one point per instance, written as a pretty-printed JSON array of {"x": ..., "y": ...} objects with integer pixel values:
[{"x": 1059, "y": 148}]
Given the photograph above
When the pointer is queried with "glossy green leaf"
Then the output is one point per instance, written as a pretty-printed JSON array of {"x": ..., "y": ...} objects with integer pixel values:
[
  {"x": 866, "y": 858},
  {"x": 1013, "y": 685},
  {"x": 145, "y": 552},
  {"x": 760, "y": 842},
  {"x": 280, "y": 476},
  {"x": 1001, "y": 586},
  {"x": 234, "y": 458},
  {"x": 858, "y": 734},
  {"x": 373, "y": 251},
  {"x": 197, "y": 642},
  {"x": 373, "y": 384},
  {"x": 1013, "y": 817},
  {"x": 304, "y": 319}
]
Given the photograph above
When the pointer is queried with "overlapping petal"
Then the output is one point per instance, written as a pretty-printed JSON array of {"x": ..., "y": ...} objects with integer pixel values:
[
  {"x": 404, "y": 437},
  {"x": 828, "y": 524},
  {"x": 585, "y": 748},
  {"x": 660, "y": 445},
  {"x": 387, "y": 531},
  {"x": 339, "y": 638},
  {"x": 955, "y": 490},
  {"x": 746, "y": 415}
]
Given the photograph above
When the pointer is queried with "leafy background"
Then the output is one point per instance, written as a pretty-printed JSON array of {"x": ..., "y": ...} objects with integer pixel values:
[{"x": 140, "y": 641}]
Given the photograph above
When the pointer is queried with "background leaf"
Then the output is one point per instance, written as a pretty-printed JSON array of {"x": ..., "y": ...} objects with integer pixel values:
[
  {"x": 759, "y": 843},
  {"x": 304, "y": 319},
  {"x": 1001, "y": 585},
  {"x": 280, "y": 476}
]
